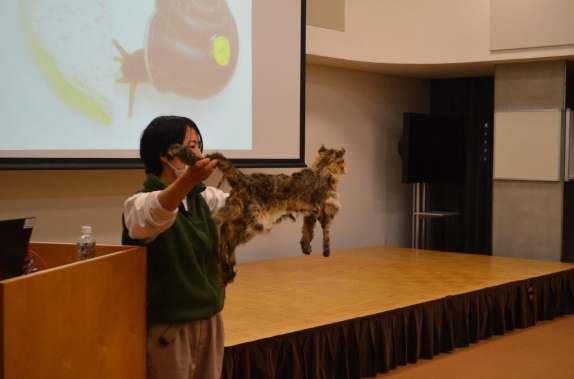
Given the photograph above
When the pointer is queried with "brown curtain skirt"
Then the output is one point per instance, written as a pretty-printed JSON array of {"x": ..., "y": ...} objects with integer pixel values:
[{"x": 365, "y": 346}]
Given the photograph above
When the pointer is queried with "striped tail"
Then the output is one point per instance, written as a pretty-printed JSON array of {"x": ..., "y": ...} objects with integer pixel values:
[{"x": 230, "y": 172}]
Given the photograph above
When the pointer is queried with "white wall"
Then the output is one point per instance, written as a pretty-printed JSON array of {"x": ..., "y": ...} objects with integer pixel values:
[
  {"x": 359, "y": 111},
  {"x": 428, "y": 32}
]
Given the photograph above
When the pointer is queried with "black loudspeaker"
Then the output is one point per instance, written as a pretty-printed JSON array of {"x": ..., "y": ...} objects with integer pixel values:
[{"x": 432, "y": 148}]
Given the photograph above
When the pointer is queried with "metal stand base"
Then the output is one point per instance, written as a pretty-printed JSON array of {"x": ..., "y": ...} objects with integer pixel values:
[{"x": 421, "y": 214}]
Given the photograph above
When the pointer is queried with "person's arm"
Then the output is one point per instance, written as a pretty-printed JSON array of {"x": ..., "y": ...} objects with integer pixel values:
[
  {"x": 173, "y": 195},
  {"x": 148, "y": 214},
  {"x": 145, "y": 217}
]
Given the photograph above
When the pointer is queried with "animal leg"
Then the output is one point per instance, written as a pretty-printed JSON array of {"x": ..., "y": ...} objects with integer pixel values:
[
  {"x": 223, "y": 266},
  {"x": 227, "y": 263},
  {"x": 231, "y": 235},
  {"x": 228, "y": 276},
  {"x": 227, "y": 266},
  {"x": 308, "y": 232},
  {"x": 326, "y": 219}
]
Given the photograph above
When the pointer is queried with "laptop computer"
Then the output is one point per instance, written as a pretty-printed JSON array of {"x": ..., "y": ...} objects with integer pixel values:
[{"x": 14, "y": 239}]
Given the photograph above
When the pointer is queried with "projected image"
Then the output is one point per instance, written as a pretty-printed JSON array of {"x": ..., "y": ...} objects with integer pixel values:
[
  {"x": 191, "y": 49},
  {"x": 91, "y": 74}
]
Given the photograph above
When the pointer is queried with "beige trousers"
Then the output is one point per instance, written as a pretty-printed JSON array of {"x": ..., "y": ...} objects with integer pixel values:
[{"x": 196, "y": 352}]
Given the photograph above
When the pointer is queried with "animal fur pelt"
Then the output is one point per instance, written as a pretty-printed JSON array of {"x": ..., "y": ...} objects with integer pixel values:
[{"x": 258, "y": 201}]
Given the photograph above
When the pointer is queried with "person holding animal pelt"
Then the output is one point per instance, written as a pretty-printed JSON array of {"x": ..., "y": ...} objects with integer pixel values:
[{"x": 171, "y": 216}]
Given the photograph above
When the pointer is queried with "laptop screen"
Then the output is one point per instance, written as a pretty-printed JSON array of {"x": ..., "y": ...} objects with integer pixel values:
[{"x": 14, "y": 239}]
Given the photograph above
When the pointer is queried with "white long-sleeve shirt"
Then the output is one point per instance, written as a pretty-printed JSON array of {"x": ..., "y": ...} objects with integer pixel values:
[{"x": 145, "y": 217}]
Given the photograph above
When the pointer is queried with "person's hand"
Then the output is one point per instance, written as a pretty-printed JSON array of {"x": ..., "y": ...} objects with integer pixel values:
[
  {"x": 172, "y": 196},
  {"x": 201, "y": 170}
]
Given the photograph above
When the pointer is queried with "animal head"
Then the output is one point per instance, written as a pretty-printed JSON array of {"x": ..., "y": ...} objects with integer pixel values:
[
  {"x": 332, "y": 159},
  {"x": 184, "y": 153}
]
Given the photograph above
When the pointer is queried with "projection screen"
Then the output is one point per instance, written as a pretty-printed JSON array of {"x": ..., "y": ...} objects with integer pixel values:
[{"x": 81, "y": 79}]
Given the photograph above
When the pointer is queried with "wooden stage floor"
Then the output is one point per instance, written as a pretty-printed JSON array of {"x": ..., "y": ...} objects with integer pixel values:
[{"x": 280, "y": 296}]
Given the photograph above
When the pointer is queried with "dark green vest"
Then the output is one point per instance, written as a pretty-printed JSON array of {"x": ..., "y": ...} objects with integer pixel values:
[{"x": 182, "y": 277}]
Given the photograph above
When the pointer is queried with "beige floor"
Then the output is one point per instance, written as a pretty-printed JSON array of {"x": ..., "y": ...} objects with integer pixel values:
[{"x": 545, "y": 350}]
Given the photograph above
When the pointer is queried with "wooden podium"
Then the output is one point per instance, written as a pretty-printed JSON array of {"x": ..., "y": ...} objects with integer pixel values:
[{"x": 76, "y": 319}]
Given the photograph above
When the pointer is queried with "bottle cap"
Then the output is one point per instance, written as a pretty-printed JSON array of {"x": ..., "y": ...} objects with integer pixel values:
[{"x": 86, "y": 230}]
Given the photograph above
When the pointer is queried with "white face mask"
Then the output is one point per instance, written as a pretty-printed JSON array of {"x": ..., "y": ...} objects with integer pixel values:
[{"x": 176, "y": 171}]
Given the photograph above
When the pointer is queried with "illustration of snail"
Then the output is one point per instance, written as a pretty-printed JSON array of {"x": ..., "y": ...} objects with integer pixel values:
[{"x": 191, "y": 49}]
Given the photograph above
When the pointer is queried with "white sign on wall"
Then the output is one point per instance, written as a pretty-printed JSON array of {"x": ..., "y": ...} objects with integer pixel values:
[{"x": 528, "y": 145}]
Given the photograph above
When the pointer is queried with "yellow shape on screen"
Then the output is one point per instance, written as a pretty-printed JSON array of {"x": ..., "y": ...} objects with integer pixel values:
[{"x": 221, "y": 50}]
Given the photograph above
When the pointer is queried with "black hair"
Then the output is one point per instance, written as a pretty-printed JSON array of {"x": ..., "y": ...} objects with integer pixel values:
[{"x": 159, "y": 135}]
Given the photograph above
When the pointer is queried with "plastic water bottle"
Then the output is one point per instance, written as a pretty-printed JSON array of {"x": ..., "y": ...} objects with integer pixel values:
[{"x": 86, "y": 244}]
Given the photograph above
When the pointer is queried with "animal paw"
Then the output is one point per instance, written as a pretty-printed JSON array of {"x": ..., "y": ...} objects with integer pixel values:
[
  {"x": 326, "y": 252},
  {"x": 223, "y": 274},
  {"x": 226, "y": 274},
  {"x": 305, "y": 248},
  {"x": 231, "y": 275}
]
